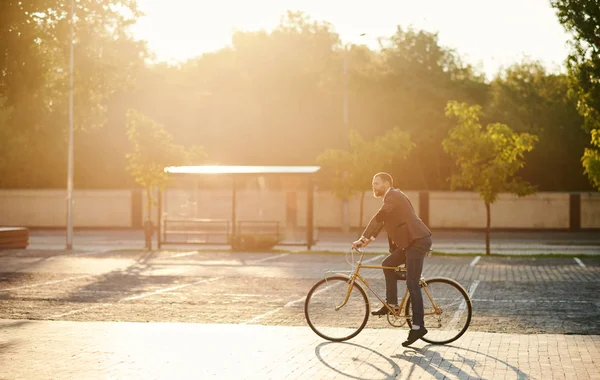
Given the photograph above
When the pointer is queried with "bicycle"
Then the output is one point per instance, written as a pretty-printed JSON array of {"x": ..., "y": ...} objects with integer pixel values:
[{"x": 448, "y": 307}]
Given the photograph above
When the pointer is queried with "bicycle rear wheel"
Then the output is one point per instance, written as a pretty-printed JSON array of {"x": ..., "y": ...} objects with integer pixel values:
[
  {"x": 454, "y": 311},
  {"x": 327, "y": 317}
]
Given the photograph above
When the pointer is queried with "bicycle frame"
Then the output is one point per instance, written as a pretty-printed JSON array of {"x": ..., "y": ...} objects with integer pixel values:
[{"x": 356, "y": 275}]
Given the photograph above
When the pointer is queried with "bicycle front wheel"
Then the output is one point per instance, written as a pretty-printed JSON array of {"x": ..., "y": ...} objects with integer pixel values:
[
  {"x": 454, "y": 309},
  {"x": 327, "y": 314}
]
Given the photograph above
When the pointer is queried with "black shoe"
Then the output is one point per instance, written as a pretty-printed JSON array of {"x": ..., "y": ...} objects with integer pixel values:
[
  {"x": 383, "y": 311},
  {"x": 414, "y": 335}
]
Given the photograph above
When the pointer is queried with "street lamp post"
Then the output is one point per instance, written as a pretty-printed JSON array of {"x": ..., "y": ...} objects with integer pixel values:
[
  {"x": 70, "y": 149},
  {"x": 346, "y": 127},
  {"x": 345, "y": 202},
  {"x": 346, "y": 80}
]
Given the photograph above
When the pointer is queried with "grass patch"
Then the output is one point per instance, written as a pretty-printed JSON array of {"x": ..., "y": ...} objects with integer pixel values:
[
  {"x": 575, "y": 243},
  {"x": 191, "y": 249},
  {"x": 587, "y": 256},
  {"x": 467, "y": 254},
  {"x": 521, "y": 255}
]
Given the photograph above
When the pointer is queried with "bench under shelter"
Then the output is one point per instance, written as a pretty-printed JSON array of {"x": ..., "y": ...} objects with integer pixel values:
[{"x": 186, "y": 223}]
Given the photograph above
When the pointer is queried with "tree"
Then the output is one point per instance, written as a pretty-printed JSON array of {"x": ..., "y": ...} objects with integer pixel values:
[
  {"x": 34, "y": 79},
  {"x": 280, "y": 92},
  {"x": 351, "y": 171},
  {"x": 531, "y": 100},
  {"x": 34, "y": 52},
  {"x": 487, "y": 159},
  {"x": 6, "y": 139},
  {"x": 419, "y": 77},
  {"x": 591, "y": 160},
  {"x": 581, "y": 18},
  {"x": 153, "y": 150}
]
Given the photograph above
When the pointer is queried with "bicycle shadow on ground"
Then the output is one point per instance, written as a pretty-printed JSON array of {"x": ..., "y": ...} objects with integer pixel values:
[
  {"x": 452, "y": 363},
  {"x": 362, "y": 363}
]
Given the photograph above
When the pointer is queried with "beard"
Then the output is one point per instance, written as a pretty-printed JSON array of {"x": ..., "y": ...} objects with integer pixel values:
[{"x": 378, "y": 193}]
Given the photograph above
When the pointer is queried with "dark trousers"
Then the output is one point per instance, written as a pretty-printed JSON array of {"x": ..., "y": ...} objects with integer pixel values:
[{"x": 413, "y": 256}]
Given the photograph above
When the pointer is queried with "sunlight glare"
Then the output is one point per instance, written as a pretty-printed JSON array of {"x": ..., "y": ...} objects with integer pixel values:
[{"x": 492, "y": 33}]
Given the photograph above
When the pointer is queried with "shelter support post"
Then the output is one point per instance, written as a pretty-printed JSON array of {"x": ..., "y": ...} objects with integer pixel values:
[
  {"x": 159, "y": 218},
  {"x": 310, "y": 213},
  {"x": 233, "y": 209}
]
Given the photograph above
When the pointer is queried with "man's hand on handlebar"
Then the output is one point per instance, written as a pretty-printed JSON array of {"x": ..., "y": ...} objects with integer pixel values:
[{"x": 361, "y": 243}]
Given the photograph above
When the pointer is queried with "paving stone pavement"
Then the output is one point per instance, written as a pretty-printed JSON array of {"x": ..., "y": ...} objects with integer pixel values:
[
  {"x": 510, "y": 294},
  {"x": 132, "y": 314},
  {"x": 111, "y": 350}
]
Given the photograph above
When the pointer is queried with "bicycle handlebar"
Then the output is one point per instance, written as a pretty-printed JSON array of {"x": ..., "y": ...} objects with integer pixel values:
[{"x": 352, "y": 250}]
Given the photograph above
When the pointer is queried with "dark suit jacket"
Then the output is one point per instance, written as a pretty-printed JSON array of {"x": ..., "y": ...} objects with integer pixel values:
[{"x": 398, "y": 217}]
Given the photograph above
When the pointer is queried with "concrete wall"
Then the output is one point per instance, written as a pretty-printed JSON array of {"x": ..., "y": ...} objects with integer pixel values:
[
  {"x": 467, "y": 210},
  {"x": 48, "y": 208},
  {"x": 115, "y": 208},
  {"x": 590, "y": 210},
  {"x": 543, "y": 210}
]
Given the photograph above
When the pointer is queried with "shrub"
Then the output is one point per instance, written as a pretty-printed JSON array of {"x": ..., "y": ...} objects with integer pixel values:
[{"x": 248, "y": 242}]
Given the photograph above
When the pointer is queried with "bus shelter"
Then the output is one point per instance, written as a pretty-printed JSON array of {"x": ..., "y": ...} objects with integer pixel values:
[{"x": 192, "y": 208}]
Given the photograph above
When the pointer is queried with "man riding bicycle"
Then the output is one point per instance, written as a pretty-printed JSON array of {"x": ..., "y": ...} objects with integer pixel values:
[{"x": 409, "y": 240}]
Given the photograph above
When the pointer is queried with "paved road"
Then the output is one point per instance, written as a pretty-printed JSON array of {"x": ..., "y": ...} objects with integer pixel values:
[
  {"x": 220, "y": 314},
  {"x": 511, "y": 294},
  {"x": 109, "y": 350}
]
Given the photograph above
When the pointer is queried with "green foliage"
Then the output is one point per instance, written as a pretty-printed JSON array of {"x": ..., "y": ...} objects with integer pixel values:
[
  {"x": 351, "y": 171},
  {"x": 270, "y": 97},
  {"x": 529, "y": 99},
  {"x": 591, "y": 160},
  {"x": 35, "y": 46},
  {"x": 6, "y": 140},
  {"x": 34, "y": 81},
  {"x": 487, "y": 159},
  {"x": 153, "y": 149},
  {"x": 281, "y": 93},
  {"x": 581, "y": 18},
  {"x": 414, "y": 80}
]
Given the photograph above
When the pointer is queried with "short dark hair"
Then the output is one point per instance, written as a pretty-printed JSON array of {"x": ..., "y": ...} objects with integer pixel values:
[{"x": 385, "y": 177}]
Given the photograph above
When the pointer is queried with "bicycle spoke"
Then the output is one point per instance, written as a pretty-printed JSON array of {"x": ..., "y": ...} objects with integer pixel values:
[
  {"x": 453, "y": 316},
  {"x": 329, "y": 316}
]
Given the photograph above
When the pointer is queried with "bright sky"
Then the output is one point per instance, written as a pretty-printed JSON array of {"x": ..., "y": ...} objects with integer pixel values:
[{"x": 487, "y": 33}]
